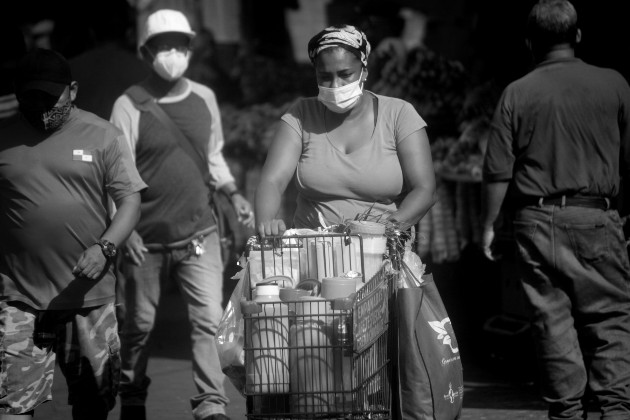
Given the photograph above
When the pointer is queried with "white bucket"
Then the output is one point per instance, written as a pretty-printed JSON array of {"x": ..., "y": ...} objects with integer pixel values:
[{"x": 374, "y": 245}]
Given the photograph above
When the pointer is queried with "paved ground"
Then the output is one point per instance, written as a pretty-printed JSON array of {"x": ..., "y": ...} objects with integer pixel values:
[{"x": 497, "y": 370}]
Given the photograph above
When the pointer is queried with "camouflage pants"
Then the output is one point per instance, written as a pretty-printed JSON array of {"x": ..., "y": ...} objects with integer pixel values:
[{"x": 87, "y": 346}]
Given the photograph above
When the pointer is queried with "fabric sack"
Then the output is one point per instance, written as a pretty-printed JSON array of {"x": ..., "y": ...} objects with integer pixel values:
[
  {"x": 430, "y": 381},
  {"x": 232, "y": 233}
]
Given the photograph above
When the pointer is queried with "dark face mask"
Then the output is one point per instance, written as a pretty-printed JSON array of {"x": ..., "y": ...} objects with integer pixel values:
[{"x": 44, "y": 116}]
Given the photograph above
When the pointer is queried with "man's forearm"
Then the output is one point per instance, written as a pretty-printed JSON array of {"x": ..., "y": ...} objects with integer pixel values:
[
  {"x": 125, "y": 219},
  {"x": 492, "y": 196},
  {"x": 230, "y": 189}
]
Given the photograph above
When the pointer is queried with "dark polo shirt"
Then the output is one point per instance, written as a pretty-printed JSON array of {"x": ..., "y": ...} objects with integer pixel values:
[{"x": 561, "y": 129}]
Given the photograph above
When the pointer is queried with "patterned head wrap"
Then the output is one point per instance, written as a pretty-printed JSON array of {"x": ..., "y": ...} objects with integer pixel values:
[{"x": 347, "y": 37}]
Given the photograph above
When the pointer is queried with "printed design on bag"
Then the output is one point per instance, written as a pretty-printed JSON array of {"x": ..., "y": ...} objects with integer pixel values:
[
  {"x": 452, "y": 395},
  {"x": 440, "y": 328}
]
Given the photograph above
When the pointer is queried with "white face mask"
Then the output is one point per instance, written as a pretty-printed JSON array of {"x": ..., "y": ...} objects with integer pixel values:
[
  {"x": 170, "y": 65},
  {"x": 343, "y": 98}
]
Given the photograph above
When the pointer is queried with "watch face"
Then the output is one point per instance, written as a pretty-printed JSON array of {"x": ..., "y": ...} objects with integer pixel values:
[{"x": 109, "y": 249}]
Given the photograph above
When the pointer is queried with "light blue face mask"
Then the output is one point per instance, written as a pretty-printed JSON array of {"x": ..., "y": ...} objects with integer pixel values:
[{"x": 343, "y": 98}]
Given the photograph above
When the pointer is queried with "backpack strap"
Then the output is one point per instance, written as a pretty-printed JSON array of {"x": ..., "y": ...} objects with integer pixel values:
[{"x": 140, "y": 97}]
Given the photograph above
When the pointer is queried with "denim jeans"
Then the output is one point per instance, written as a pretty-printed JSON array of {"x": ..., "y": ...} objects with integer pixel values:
[
  {"x": 200, "y": 280},
  {"x": 576, "y": 276}
]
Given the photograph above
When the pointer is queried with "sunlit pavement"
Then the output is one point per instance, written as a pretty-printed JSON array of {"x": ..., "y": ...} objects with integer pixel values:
[{"x": 497, "y": 378}]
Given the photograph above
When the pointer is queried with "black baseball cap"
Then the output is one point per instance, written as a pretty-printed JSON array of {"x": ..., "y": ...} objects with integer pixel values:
[{"x": 45, "y": 70}]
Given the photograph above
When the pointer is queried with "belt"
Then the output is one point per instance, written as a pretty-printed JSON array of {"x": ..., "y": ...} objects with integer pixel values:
[
  {"x": 602, "y": 203},
  {"x": 181, "y": 244}
]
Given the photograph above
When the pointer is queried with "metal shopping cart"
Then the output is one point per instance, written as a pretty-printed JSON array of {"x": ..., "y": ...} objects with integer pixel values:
[{"x": 315, "y": 358}]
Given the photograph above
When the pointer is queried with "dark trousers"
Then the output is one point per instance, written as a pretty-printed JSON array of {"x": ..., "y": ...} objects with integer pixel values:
[{"x": 576, "y": 276}]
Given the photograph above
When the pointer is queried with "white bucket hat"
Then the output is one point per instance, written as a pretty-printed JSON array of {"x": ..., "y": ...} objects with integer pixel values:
[{"x": 163, "y": 21}]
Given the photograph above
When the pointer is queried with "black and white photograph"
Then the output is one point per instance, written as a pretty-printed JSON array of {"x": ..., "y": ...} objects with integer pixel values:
[{"x": 314, "y": 209}]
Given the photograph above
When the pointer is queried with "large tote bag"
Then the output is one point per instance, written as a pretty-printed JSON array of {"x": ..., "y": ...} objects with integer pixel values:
[{"x": 429, "y": 372}]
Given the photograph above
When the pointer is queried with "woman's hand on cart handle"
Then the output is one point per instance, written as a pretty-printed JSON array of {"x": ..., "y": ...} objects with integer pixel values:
[{"x": 273, "y": 227}]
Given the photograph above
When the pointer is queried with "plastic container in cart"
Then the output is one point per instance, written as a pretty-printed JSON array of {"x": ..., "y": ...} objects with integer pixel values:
[
  {"x": 374, "y": 244},
  {"x": 337, "y": 349}
]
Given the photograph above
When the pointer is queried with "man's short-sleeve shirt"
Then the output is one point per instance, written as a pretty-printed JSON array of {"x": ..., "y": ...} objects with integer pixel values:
[
  {"x": 54, "y": 204},
  {"x": 561, "y": 129}
]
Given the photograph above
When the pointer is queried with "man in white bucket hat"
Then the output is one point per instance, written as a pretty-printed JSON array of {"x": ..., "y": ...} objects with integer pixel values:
[{"x": 173, "y": 127}]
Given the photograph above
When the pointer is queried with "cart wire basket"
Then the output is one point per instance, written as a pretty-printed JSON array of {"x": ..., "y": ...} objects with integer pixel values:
[{"x": 316, "y": 358}]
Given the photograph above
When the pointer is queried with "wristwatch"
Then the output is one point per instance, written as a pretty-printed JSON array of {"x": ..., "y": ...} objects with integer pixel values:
[{"x": 108, "y": 248}]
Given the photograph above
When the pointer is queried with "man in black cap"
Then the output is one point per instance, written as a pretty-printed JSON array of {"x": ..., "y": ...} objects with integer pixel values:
[{"x": 58, "y": 166}]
